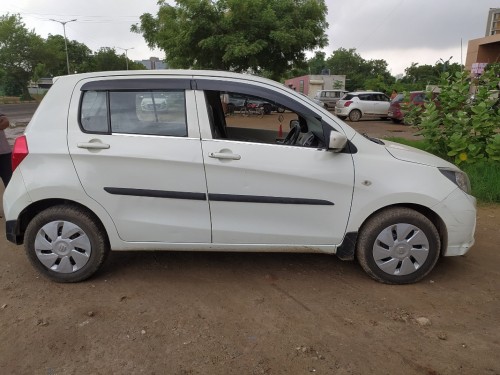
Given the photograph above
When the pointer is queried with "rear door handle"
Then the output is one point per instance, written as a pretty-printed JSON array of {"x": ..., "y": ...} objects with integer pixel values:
[
  {"x": 93, "y": 145},
  {"x": 223, "y": 155}
]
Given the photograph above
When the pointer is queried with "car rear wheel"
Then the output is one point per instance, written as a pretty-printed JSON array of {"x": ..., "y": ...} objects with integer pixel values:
[
  {"x": 355, "y": 115},
  {"x": 396, "y": 121},
  {"x": 65, "y": 244},
  {"x": 398, "y": 246},
  {"x": 280, "y": 109}
]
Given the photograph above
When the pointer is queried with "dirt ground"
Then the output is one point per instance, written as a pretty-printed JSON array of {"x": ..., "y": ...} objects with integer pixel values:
[{"x": 230, "y": 313}]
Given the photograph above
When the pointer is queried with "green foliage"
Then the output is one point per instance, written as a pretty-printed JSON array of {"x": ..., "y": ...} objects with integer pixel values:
[
  {"x": 361, "y": 73},
  {"x": 20, "y": 51},
  {"x": 462, "y": 127},
  {"x": 106, "y": 59},
  {"x": 261, "y": 35},
  {"x": 485, "y": 180}
]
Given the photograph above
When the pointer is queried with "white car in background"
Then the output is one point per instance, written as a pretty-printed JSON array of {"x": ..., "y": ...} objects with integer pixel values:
[
  {"x": 363, "y": 104},
  {"x": 328, "y": 98},
  {"x": 93, "y": 173}
]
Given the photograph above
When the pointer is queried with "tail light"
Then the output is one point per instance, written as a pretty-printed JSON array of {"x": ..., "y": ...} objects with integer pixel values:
[
  {"x": 348, "y": 103},
  {"x": 20, "y": 151}
]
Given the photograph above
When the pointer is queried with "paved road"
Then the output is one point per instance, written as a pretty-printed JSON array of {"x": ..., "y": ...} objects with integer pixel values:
[{"x": 19, "y": 112}]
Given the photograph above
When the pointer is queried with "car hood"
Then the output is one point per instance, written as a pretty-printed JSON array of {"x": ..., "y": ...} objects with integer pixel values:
[{"x": 414, "y": 155}]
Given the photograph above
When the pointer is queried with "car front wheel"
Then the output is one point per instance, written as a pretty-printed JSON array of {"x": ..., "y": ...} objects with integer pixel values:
[
  {"x": 65, "y": 244},
  {"x": 398, "y": 246}
]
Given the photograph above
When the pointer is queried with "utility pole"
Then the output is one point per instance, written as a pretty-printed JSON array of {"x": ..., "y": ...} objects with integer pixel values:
[
  {"x": 63, "y": 23},
  {"x": 126, "y": 57}
]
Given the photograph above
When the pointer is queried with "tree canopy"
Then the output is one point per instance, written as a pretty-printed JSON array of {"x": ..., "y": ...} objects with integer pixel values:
[
  {"x": 25, "y": 56},
  {"x": 265, "y": 36},
  {"x": 20, "y": 51}
]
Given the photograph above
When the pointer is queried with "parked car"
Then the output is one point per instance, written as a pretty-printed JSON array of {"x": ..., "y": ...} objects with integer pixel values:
[
  {"x": 94, "y": 173},
  {"x": 154, "y": 102},
  {"x": 396, "y": 113},
  {"x": 362, "y": 104},
  {"x": 328, "y": 98}
]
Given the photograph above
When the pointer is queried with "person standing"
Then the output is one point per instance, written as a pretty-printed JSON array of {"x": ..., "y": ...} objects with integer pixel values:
[{"x": 5, "y": 151}]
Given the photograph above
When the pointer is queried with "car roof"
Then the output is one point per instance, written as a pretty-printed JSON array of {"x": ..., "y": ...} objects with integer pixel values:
[
  {"x": 178, "y": 73},
  {"x": 333, "y": 90},
  {"x": 364, "y": 92}
]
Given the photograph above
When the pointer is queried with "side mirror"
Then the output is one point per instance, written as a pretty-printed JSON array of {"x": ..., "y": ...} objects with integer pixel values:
[{"x": 337, "y": 141}]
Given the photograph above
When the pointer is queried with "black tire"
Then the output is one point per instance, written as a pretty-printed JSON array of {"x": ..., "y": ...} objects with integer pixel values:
[
  {"x": 396, "y": 121},
  {"x": 341, "y": 117},
  {"x": 267, "y": 109},
  {"x": 94, "y": 251},
  {"x": 355, "y": 115},
  {"x": 418, "y": 252},
  {"x": 384, "y": 118},
  {"x": 280, "y": 109}
]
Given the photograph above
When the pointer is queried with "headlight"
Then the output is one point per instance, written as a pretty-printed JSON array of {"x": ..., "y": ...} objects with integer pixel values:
[{"x": 459, "y": 178}]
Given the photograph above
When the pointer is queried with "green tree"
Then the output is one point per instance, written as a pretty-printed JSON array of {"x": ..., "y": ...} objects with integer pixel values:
[
  {"x": 268, "y": 36},
  {"x": 360, "y": 73},
  {"x": 20, "y": 51},
  {"x": 418, "y": 76},
  {"x": 317, "y": 63},
  {"x": 106, "y": 59}
]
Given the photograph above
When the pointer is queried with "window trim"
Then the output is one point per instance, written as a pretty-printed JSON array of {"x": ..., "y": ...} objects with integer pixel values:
[
  {"x": 108, "y": 109},
  {"x": 146, "y": 84}
]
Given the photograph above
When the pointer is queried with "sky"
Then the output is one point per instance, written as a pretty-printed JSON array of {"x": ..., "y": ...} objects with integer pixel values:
[{"x": 401, "y": 32}]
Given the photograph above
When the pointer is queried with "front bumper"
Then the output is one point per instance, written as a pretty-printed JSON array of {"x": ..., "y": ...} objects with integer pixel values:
[{"x": 458, "y": 212}]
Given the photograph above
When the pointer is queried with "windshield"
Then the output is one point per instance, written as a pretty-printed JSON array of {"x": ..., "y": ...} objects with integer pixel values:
[{"x": 398, "y": 98}]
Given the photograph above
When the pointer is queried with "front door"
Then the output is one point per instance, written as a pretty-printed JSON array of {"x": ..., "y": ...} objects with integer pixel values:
[
  {"x": 137, "y": 152},
  {"x": 264, "y": 192}
]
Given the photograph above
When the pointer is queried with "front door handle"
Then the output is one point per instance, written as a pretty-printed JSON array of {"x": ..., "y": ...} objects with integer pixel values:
[
  {"x": 93, "y": 145},
  {"x": 223, "y": 155}
]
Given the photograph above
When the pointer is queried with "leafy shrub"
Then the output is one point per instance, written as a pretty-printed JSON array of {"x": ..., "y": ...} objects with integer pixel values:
[{"x": 463, "y": 128}]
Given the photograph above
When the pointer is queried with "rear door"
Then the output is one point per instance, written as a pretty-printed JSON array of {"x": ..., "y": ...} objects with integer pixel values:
[
  {"x": 382, "y": 103},
  {"x": 135, "y": 145},
  {"x": 367, "y": 104}
]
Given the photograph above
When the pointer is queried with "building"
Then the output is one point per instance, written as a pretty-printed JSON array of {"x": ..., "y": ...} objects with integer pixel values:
[
  {"x": 153, "y": 63},
  {"x": 486, "y": 50},
  {"x": 310, "y": 84},
  {"x": 493, "y": 23}
]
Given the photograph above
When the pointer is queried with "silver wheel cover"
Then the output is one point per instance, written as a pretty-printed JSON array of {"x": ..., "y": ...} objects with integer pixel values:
[
  {"x": 62, "y": 246},
  {"x": 401, "y": 249}
]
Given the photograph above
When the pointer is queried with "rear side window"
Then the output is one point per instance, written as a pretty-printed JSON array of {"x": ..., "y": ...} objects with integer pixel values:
[
  {"x": 366, "y": 97},
  {"x": 94, "y": 112},
  {"x": 135, "y": 112},
  {"x": 348, "y": 97}
]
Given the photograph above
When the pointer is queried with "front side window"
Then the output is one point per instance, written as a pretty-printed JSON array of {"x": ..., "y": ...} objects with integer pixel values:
[
  {"x": 248, "y": 118},
  {"x": 135, "y": 112}
]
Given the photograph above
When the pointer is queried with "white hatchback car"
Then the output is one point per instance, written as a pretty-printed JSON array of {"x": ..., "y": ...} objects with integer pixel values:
[
  {"x": 361, "y": 104},
  {"x": 328, "y": 98},
  {"x": 95, "y": 171}
]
